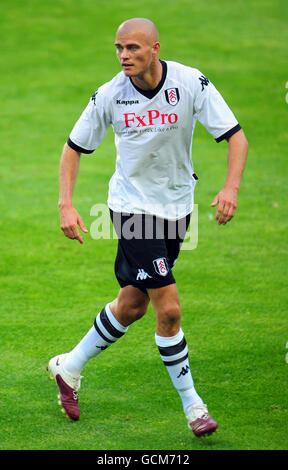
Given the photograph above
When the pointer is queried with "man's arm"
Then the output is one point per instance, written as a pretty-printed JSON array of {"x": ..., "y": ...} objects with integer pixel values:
[
  {"x": 69, "y": 217},
  {"x": 226, "y": 199}
]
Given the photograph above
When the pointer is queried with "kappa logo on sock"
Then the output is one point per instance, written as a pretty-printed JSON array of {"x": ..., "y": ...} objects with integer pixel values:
[{"x": 184, "y": 371}]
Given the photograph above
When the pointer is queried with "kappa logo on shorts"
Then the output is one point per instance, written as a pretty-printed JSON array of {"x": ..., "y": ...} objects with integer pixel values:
[
  {"x": 172, "y": 96},
  {"x": 142, "y": 275},
  {"x": 161, "y": 266}
]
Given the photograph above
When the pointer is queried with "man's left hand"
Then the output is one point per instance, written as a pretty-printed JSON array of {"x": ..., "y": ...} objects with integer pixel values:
[{"x": 226, "y": 200}]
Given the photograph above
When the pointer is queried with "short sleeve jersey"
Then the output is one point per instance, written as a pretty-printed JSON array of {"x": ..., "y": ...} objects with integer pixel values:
[{"x": 153, "y": 137}]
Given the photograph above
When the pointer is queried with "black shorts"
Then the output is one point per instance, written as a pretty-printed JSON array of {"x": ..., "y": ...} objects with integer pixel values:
[{"x": 148, "y": 247}]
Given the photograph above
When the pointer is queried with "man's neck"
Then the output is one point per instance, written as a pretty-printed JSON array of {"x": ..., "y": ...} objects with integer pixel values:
[{"x": 150, "y": 79}]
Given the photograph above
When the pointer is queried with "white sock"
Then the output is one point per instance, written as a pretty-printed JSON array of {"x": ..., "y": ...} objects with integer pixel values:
[
  {"x": 174, "y": 354},
  {"x": 105, "y": 331}
]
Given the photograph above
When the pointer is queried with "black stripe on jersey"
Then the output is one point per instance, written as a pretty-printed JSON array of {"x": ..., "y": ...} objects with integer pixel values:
[
  {"x": 172, "y": 350},
  {"x": 177, "y": 361},
  {"x": 229, "y": 133},
  {"x": 108, "y": 325},
  {"x": 77, "y": 148}
]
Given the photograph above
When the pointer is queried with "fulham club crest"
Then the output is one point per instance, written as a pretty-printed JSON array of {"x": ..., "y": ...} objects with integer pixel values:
[
  {"x": 172, "y": 96},
  {"x": 161, "y": 266}
]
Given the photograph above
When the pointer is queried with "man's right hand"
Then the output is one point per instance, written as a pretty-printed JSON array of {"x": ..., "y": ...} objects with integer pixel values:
[{"x": 70, "y": 219}]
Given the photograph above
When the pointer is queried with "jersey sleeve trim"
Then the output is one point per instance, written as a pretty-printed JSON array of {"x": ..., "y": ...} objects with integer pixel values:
[
  {"x": 77, "y": 148},
  {"x": 229, "y": 133}
]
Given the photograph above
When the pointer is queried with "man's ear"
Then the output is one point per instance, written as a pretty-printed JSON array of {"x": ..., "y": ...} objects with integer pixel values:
[{"x": 156, "y": 47}]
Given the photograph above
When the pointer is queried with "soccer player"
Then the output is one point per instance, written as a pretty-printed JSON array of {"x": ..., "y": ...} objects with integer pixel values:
[{"x": 153, "y": 106}]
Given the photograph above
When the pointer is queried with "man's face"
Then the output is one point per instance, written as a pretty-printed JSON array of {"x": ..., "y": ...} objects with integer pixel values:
[{"x": 134, "y": 53}]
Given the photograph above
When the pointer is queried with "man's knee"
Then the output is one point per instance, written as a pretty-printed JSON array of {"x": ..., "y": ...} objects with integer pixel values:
[
  {"x": 170, "y": 312},
  {"x": 130, "y": 305},
  {"x": 131, "y": 308},
  {"x": 167, "y": 309},
  {"x": 169, "y": 318}
]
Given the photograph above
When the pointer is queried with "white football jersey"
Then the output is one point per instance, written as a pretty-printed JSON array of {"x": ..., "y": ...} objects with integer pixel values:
[{"x": 153, "y": 137}]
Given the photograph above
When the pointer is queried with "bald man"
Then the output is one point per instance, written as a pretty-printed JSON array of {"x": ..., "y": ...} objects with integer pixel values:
[{"x": 153, "y": 106}]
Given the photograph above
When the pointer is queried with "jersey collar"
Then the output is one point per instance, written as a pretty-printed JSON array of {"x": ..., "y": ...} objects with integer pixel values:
[{"x": 151, "y": 93}]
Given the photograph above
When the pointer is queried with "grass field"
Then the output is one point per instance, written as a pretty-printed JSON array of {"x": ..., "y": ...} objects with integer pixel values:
[{"x": 233, "y": 287}]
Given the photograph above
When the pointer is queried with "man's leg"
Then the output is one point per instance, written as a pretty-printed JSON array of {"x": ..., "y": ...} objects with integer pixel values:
[
  {"x": 110, "y": 324},
  {"x": 173, "y": 349},
  {"x": 130, "y": 305}
]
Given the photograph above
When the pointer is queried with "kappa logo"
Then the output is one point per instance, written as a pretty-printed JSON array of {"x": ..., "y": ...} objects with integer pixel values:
[
  {"x": 93, "y": 97},
  {"x": 127, "y": 102},
  {"x": 161, "y": 266},
  {"x": 172, "y": 96},
  {"x": 142, "y": 275},
  {"x": 204, "y": 81},
  {"x": 184, "y": 371}
]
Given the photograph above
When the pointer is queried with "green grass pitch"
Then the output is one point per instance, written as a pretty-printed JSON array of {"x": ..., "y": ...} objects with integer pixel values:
[{"x": 233, "y": 287}]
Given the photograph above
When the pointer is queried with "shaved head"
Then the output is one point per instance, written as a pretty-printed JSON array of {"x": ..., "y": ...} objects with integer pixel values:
[
  {"x": 144, "y": 27},
  {"x": 137, "y": 48}
]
